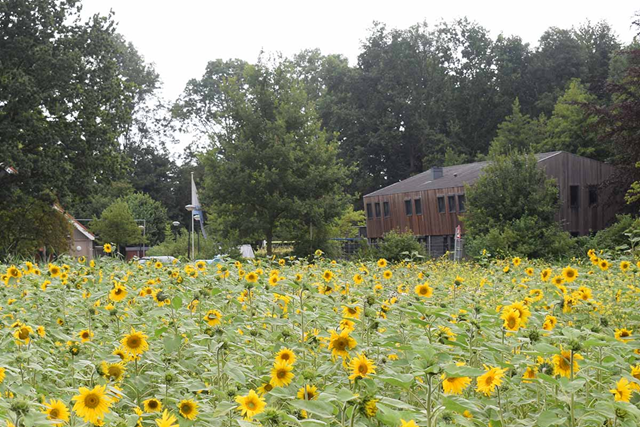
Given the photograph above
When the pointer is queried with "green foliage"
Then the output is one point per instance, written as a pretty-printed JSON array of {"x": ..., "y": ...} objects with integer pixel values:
[
  {"x": 347, "y": 224},
  {"x": 117, "y": 225},
  {"x": 142, "y": 206},
  {"x": 178, "y": 246},
  {"x": 518, "y": 133},
  {"x": 571, "y": 127},
  {"x": 30, "y": 226},
  {"x": 274, "y": 164},
  {"x": 511, "y": 208},
  {"x": 615, "y": 237},
  {"x": 398, "y": 246}
]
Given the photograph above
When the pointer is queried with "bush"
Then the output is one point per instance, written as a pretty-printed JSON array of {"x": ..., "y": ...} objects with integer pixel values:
[
  {"x": 615, "y": 236},
  {"x": 306, "y": 248},
  {"x": 397, "y": 246},
  {"x": 209, "y": 248}
]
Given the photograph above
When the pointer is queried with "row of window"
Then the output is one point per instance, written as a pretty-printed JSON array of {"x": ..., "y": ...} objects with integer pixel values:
[
  {"x": 414, "y": 206},
  {"x": 574, "y": 196}
]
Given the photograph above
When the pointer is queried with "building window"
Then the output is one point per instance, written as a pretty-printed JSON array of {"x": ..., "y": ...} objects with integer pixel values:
[
  {"x": 369, "y": 211},
  {"x": 407, "y": 207},
  {"x": 385, "y": 208},
  {"x": 418, "y": 203},
  {"x": 593, "y": 195},
  {"x": 441, "y": 207},
  {"x": 461, "y": 201},
  {"x": 574, "y": 196},
  {"x": 377, "y": 210},
  {"x": 452, "y": 203}
]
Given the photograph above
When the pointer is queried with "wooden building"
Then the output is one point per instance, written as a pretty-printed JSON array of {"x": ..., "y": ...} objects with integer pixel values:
[
  {"x": 430, "y": 204},
  {"x": 81, "y": 240}
]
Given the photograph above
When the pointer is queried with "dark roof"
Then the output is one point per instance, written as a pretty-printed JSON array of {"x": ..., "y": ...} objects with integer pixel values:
[{"x": 452, "y": 176}]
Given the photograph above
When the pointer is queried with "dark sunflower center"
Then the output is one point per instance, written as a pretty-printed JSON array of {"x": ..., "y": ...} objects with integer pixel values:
[
  {"x": 363, "y": 369},
  {"x": 352, "y": 310},
  {"x": 85, "y": 335},
  {"x": 118, "y": 291},
  {"x": 153, "y": 404},
  {"x": 92, "y": 401},
  {"x": 285, "y": 356},
  {"x": 564, "y": 364},
  {"x": 268, "y": 387},
  {"x": 114, "y": 371},
  {"x": 281, "y": 374},
  {"x": 489, "y": 380},
  {"x": 251, "y": 405},
  {"x": 340, "y": 344},
  {"x": 54, "y": 413},
  {"x": 511, "y": 322},
  {"x": 423, "y": 291},
  {"x": 186, "y": 408},
  {"x": 134, "y": 342},
  {"x": 23, "y": 334},
  {"x": 624, "y": 334}
]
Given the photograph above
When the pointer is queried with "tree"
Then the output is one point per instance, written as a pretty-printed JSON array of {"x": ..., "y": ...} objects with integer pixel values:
[
  {"x": 142, "y": 206},
  {"x": 518, "y": 133},
  {"x": 272, "y": 162},
  {"x": 571, "y": 127},
  {"x": 511, "y": 209},
  {"x": 117, "y": 225}
]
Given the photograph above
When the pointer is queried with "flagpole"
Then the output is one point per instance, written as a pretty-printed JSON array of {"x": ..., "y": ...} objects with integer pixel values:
[{"x": 193, "y": 240}]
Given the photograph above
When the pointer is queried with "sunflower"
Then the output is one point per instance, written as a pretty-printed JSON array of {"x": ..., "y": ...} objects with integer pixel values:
[
  {"x": 14, "y": 272},
  {"x": 2, "y": 374},
  {"x": 121, "y": 354},
  {"x": 523, "y": 311},
  {"x": 92, "y": 405},
  {"x": 188, "y": 409},
  {"x": 250, "y": 405},
  {"x": 491, "y": 379},
  {"x": 584, "y": 293},
  {"x": 213, "y": 317},
  {"x": 424, "y": 290},
  {"x": 286, "y": 355},
  {"x": 308, "y": 392},
  {"x": 529, "y": 271},
  {"x": 340, "y": 344},
  {"x": 357, "y": 279},
  {"x": 107, "y": 248},
  {"x": 454, "y": 385},
  {"x": 569, "y": 274},
  {"x": 408, "y": 423},
  {"x": 635, "y": 373},
  {"x": 382, "y": 263},
  {"x": 387, "y": 274},
  {"x": 118, "y": 293},
  {"x": 167, "y": 420},
  {"x": 361, "y": 367},
  {"x": 350, "y": 312},
  {"x": 113, "y": 371},
  {"x": 623, "y": 335},
  {"x": 603, "y": 264},
  {"x": 273, "y": 280},
  {"x": 371, "y": 408},
  {"x": 622, "y": 392},
  {"x": 545, "y": 274},
  {"x": 550, "y": 322},
  {"x": 23, "y": 334},
  {"x": 318, "y": 253},
  {"x": 152, "y": 405},
  {"x": 327, "y": 275},
  {"x": 624, "y": 266},
  {"x": 135, "y": 343},
  {"x": 562, "y": 363},
  {"x": 54, "y": 270},
  {"x": 56, "y": 411},
  {"x": 251, "y": 277},
  {"x": 511, "y": 319},
  {"x": 557, "y": 280},
  {"x": 264, "y": 389},
  {"x": 530, "y": 373},
  {"x": 281, "y": 374},
  {"x": 516, "y": 261},
  {"x": 85, "y": 335}
]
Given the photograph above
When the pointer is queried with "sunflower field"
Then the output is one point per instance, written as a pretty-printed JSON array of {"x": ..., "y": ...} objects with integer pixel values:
[{"x": 286, "y": 342}]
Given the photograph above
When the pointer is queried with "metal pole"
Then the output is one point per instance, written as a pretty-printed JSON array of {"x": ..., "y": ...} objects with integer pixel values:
[{"x": 193, "y": 246}]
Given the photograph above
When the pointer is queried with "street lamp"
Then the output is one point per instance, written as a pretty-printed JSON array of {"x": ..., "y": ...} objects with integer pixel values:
[
  {"x": 175, "y": 224},
  {"x": 191, "y": 208},
  {"x": 144, "y": 235}
]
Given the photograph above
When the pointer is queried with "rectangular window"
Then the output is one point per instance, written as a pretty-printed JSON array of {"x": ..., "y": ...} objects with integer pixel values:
[
  {"x": 407, "y": 207},
  {"x": 377, "y": 205},
  {"x": 574, "y": 196},
  {"x": 461, "y": 202},
  {"x": 593, "y": 195},
  {"x": 441, "y": 207},
  {"x": 452, "y": 203},
  {"x": 418, "y": 203},
  {"x": 369, "y": 211},
  {"x": 385, "y": 208}
]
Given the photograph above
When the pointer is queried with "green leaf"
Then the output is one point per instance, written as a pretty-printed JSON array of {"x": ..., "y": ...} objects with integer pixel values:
[
  {"x": 172, "y": 343},
  {"x": 234, "y": 372},
  {"x": 550, "y": 418},
  {"x": 399, "y": 380},
  {"x": 176, "y": 303},
  {"x": 317, "y": 407}
]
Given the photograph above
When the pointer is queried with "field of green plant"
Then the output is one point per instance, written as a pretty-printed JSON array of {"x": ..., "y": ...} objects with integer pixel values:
[{"x": 285, "y": 342}]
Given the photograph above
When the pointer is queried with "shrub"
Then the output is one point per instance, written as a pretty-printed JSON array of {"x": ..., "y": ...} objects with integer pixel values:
[{"x": 397, "y": 246}]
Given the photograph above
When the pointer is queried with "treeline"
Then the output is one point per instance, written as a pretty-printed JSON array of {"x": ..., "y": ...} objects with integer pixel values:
[{"x": 83, "y": 124}]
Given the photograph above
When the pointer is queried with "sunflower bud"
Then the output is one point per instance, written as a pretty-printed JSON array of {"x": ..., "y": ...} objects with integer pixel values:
[
  {"x": 575, "y": 346},
  {"x": 168, "y": 378}
]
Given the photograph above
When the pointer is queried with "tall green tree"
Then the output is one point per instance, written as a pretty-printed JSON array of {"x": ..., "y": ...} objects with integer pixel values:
[
  {"x": 117, "y": 225},
  {"x": 571, "y": 128},
  {"x": 272, "y": 163},
  {"x": 153, "y": 213},
  {"x": 518, "y": 133}
]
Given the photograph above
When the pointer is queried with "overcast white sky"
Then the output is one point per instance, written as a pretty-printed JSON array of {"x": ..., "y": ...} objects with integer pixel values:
[{"x": 180, "y": 37}]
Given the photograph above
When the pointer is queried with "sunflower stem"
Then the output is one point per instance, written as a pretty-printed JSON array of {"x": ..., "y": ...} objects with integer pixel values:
[{"x": 573, "y": 419}]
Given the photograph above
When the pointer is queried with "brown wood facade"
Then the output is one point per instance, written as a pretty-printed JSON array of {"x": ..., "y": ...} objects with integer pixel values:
[{"x": 585, "y": 204}]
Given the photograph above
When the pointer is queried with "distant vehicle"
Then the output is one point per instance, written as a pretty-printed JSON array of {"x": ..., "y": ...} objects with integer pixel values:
[{"x": 162, "y": 259}]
